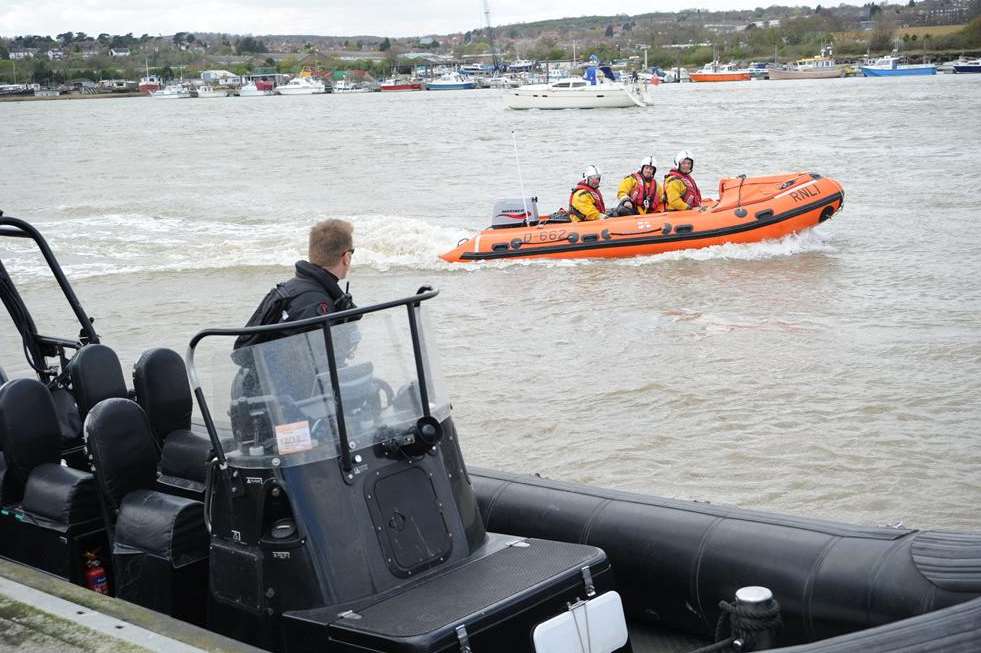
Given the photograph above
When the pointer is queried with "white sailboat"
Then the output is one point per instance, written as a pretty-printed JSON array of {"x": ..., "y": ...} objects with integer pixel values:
[{"x": 596, "y": 90}]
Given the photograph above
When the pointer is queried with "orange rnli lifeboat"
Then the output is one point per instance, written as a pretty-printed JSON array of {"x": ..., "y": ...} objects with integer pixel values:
[{"x": 749, "y": 209}]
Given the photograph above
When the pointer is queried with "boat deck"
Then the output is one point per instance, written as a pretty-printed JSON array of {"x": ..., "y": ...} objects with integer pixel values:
[{"x": 44, "y": 614}]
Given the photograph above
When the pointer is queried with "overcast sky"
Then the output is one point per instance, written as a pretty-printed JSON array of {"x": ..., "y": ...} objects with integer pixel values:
[{"x": 337, "y": 18}]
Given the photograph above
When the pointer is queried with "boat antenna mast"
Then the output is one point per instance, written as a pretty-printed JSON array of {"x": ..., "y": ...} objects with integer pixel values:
[
  {"x": 521, "y": 179},
  {"x": 490, "y": 38}
]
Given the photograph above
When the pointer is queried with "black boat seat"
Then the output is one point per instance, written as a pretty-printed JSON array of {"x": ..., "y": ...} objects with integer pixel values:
[
  {"x": 29, "y": 432},
  {"x": 69, "y": 420},
  {"x": 185, "y": 457},
  {"x": 53, "y": 511},
  {"x": 164, "y": 525},
  {"x": 159, "y": 541},
  {"x": 61, "y": 495},
  {"x": 163, "y": 391},
  {"x": 96, "y": 375}
]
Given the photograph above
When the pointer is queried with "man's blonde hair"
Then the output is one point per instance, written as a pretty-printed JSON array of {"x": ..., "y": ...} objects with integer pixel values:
[{"x": 329, "y": 240}]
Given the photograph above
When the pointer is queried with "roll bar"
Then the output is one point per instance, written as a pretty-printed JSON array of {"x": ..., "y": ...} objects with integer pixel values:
[
  {"x": 38, "y": 346},
  {"x": 324, "y": 322}
]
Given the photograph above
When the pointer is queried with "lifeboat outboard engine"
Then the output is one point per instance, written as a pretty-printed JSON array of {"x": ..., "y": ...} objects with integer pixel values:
[{"x": 520, "y": 212}]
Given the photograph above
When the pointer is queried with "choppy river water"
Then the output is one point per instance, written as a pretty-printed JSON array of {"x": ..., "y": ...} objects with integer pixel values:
[{"x": 836, "y": 373}]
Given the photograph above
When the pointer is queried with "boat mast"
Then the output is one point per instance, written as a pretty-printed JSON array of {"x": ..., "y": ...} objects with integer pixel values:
[{"x": 490, "y": 38}]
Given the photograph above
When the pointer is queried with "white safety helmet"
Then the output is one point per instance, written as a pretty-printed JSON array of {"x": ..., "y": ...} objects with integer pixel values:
[
  {"x": 681, "y": 156},
  {"x": 648, "y": 161},
  {"x": 591, "y": 171}
]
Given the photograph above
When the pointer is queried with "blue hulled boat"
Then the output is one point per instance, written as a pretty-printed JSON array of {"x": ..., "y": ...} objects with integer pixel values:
[
  {"x": 970, "y": 66},
  {"x": 890, "y": 67},
  {"x": 451, "y": 82}
]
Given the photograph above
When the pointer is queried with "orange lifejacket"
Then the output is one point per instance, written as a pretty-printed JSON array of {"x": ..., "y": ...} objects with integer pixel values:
[
  {"x": 645, "y": 193},
  {"x": 692, "y": 196},
  {"x": 597, "y": 199}
]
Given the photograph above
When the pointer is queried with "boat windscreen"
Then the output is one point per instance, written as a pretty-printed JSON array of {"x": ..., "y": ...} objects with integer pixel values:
[{"x": 280, "y": 398}]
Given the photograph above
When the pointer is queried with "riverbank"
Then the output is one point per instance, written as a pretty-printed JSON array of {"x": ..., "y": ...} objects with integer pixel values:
[{"x": 69, "y": 96}]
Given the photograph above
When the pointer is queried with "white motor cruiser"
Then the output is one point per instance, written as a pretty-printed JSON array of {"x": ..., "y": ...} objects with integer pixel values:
[
  {"x": 172, "y": 92},
  {"x": 302, "y": 86}
]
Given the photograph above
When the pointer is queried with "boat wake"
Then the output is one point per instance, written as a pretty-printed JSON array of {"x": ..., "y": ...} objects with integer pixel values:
[
  {"x": 812, "y": 240},
  {"x": 90, "y": 244}
]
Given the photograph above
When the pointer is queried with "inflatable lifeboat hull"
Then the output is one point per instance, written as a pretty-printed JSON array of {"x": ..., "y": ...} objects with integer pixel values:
[
  {"x": 748, "y": 210},
  {"x": 840, "y": 587}
]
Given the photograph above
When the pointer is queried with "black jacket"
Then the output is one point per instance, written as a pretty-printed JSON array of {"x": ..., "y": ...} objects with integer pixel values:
[{"x": 311, "y": 292}]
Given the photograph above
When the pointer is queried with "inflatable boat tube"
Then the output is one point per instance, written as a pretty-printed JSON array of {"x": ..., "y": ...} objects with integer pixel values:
[
  {"x": 748, "y": 210},
  {"x": 675, "y": 561}
]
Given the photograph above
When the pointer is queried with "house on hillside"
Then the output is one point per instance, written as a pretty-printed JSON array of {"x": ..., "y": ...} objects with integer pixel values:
[
  {"x": 56, "y": 55},
  {"x": 16, "y": 54},
  {"x": 118, "y": 52},
  {"x": 725, "y": 28}
]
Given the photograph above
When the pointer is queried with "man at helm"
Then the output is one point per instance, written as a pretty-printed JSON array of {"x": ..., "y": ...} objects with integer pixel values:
[
  {"x": 586, "y": 201},
  {"x": 680, "y": 190},
  {"x": 639, "y": 193},
  {"x": 315, "y": 289}
]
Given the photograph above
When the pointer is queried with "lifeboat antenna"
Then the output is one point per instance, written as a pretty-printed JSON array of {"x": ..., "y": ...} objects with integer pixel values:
[{"x": 521, "y": 180}]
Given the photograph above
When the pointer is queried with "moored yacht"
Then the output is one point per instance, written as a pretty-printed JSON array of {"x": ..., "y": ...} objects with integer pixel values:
[
  {"x": 968, "y": 66},
  {"x": 256, "y": 88},
  {"x": 302, "y": 86},
  {"x": 451, "y": 82},
  {"x": 172, "y": 92},
  {"x": 347, "y": 86},
  {"x": 207, "y": 91},
  {"x": 948, "y": 66},
  {"x": 596, "y": 90}
]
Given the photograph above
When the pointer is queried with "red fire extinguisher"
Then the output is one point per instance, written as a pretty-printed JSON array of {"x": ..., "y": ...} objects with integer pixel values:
[{"x": 95, "y": 574}]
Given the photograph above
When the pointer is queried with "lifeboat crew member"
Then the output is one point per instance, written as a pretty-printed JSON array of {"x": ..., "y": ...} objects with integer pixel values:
[
  {"x": 639, "y": 193},
  {"x": 680, "y": 190},
  {"x": 586, "y": 201}
]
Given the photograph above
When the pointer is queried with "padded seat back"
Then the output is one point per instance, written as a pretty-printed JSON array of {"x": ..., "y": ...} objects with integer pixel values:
[
  {"x": 96, "y": 375},
  {"x": 163, "y": 391},
  {"x": 29, "y": 432},
  {"x": 123, "y": 450}
]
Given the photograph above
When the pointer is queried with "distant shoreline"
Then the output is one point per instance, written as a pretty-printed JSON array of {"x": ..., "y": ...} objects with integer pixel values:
[{"x": 69, "y": 96}]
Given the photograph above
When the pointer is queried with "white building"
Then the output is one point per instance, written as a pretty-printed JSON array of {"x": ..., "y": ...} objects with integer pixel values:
[
  {"x": 24, "y": 53},
  {"x": 118, "y": 52},
  {"x": 220, "y": 77}
]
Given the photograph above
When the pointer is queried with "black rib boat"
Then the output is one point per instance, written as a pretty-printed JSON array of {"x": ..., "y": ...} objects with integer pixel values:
[{"x": 325, "y": 505}]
